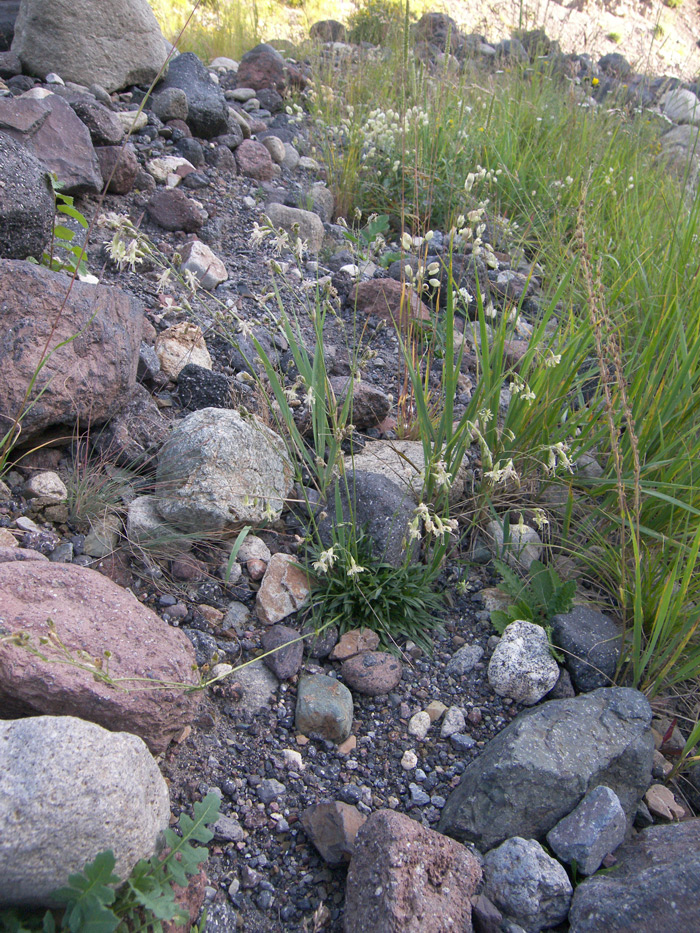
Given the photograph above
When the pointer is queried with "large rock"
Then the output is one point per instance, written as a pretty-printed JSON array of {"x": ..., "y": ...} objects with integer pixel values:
[
  {"x": 105, "y": 128},
  {"x": 86, "y": 378},
  {"x": 296, "y": 222},
  {"x": 171, "y": 209},
  {"x": 91, "y": 614},
  {"x": 655, "y": 885},
  {"x": 207, "y": 108},
  {"x": 522, "y": 666},
  {"x": 26, "y": 206},
  {"x": 590, "y": 832},
  {"x": 52, "y": 132},
  {"x": 264, "y": 67},
  {"x": 68, "y": 791},
  {"x": 391, "y": 301},
  {"x": 543, "y": 764},
  {"x": 528, "y": 885},
  {"x": 591, "y": 643},
  {"x": 219, "y": 469},
  {"x": 122, "y": 44},
  {"x": 404, "y": 877}
]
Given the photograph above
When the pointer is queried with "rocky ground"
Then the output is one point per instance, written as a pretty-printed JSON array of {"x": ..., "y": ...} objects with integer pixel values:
[{"x": 408, "y": 747}]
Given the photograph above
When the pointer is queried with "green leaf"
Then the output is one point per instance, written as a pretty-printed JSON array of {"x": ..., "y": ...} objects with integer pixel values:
[
  {"x": 88, "y": 895},
  {"x": 63, "y": 233},
  {"x": 500, "y": 620},
  {"x": 71, "y": 211}
]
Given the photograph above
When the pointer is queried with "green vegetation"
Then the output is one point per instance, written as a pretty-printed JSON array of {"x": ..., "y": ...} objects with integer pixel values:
[
  {"x": 537, "y": 599},
  {"x": 96, "y": 900}
]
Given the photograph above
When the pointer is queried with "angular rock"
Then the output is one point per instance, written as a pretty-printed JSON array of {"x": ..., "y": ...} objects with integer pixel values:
[
  {"x": 201, "y": 261},
  {"x": 419, "y": 724},
  {"x": 405, "y": 877},
  {"x": 119, "y": 167},
  {"x": 590, "y": 832},
  {"x": 50, "y": 130},
  {"x": 92, "y": 614},
  {"x": 133, "y": 437},
  {"x": 258, "y": 686},
  {"x": 254, "y": 161},
  {"x": 391, "y": 301},
  {"x": 284, "y": 589},
  {"x": 464, "y": 660},
  {"x": 377, "y": 505},
  {"x": 332, "y": 828},
  {"x": 591, "y": 643},
  {"x": 453, "y": 722},
  {"x": 522, "y": 666},
  {"x": 85, "y": 379},
  {"x": 47, "y": 486},
  {"x": 296, "y": 222},
  {"x": 372, "y": 673},
  {"x": 218, "y": 470},
  {"x": 169, "y": 167},
  {"x": 529, "y": 886},
  {"x": 324, "y": 707},
  {"x": 370, "y": 405},
  {"x": 524, "y": 545},
  {"x": 353, "y": 643},
  {"x": 198, "y": 387},
  {"x": 179, "y": 346},
  {"x": 544, "y": 763},
  {"x": 27, "y": 206},
  {"x": 662, "y": 803},
  {"x": 68, "y": 791},
  {"x": 319, "y": 644},
  {"x": 122, "y": 46},
  {"x": 171, "y": 209},
  {"x": 288, "y": 651},
  {"x": 104, "y": 126},
  {"x": 655, "y": 885},
  {"x": 207, "y": 109}
]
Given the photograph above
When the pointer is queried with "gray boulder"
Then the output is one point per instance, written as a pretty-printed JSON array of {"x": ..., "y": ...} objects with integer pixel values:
[
  {"x": 26, "y": 205},
  {"x": 591, "y": 643},
  {"x": 590, "y": 832},
  {"x": 544, "y": 763},
  {"x": 207, "y": 108},
  {"x": 123, "y": 44},
  {"x": 526, "y": 884},
  {"x": 655, "y": 885},
  {"x": 69, "y": 790},
  {"x": 53, "y": 133},
  {"x": 218, "y": 469}
]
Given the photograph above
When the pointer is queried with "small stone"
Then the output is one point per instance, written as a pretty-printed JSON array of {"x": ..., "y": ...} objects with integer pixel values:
[
  {"x": 372, "y": 673},
  {"x": 409, "y": 760},
  {"x": 662, "y": 803},
  {"x": 332, "y": 828},
  {"x": 275, "y": 147},
  {"x": 324, "y": 706},
  {"x": 453, "y": 722},
  {"x": 179, "y": 346},
  {"x": 228, "y": 829},
  {"x": 293, "y": 759},
  {"x": 524, "y": 545},
  {"x": 464, "y": 660},
  {"x": 47, "y": 486},
  {"x": 461, "y": 742},
  {"x": 284, "y": 589},
  {"x": 103, "y": 537},
  {"x": 171, "y": 209},
  {"x": 309, "y": 225},
  {"x": 253, "y": 548},
  {"x": 270, "y": 789},
  {"x": 594, "y": 829},
  {"x": 287, "y": 648},
  {"x": 419, "y": 798},
  {"x": 201, "y": 261},
  {"x": 349, "y": 745},
  {"x": 254, "y": 160},
  {"x": 419, "y": 724},
  {"x": 164, "y": 167},
  {"x": 353, "y": 643},
  {"x": 132, "y": 120}
]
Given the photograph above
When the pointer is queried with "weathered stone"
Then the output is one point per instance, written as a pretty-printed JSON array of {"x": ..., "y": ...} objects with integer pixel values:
[
  {"x": 275, "y": 147},
  {"x": 119, "y": 167},
  {"x": 254, "y": 160},
  {"x": 324, "y": 706},
  {"x": 27, "y": 207},
  {"x": 528, "y": 885},
  {"x": 354, "y": 642},
  {"x": 68, "y": 791},
  {"x": 59, "y": 139},
  {"x": 681, "y": 106},
  {"x": 453, "y": 722},
  {"x": 94, "y": 332},
  {"x": 207, "y": 109},
  {"x": 522, "y": 666},
  {"x": 145, "y": 529},
  {"x": 370, "y": 405},
  {"x": 594, "y": 829},
  {"x": 104, "y": 126},
  {"x": 202, "y": 262},
  {"x": 92, "y": 614},
  {"x": 419, "y": 724},
  {"x": 591, "y": 643},
  {"x": 47, "y": 486},
  {"x": 372, "y": 673},
  {"x": 198, "y": 387},
  {"x": 170, "y": 104},
  {"x": 322, "y": 201},
  {"x": 296, "y": 222},
  {"x": 328, "y": 30},
  {"x": 544, "y": 763},
  {"x": 284, "y": 589},
  {"x": 662, "y": 803},
  {"x": 169, "y": 169},
  {"x": 132, "y": 120},
  {"x": 264, "y": 67},
  {"x": 135, "y": 434},
  {"x": 179, "y": 346},
  {"x": 464, "y": 660},
  {"x": 332, "y": 828},
  {"x": 258, "y": 685},
  {"x": 288, "y": 651},
  {"x": 218, "y": 470},
  {"x": 319, "y": 644},
  {"x": 391, "y": 301},
  {"x": 524, "y": 544},
  {"x": 171, "y": 209},
  {"x": 405, "y": 877},
  {"x": 90, "y": 41},
  {"x": 655, "y": 885}
]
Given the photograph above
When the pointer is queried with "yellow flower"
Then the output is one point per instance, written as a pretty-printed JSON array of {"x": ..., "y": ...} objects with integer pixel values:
[{"x": 595, "y": 82}]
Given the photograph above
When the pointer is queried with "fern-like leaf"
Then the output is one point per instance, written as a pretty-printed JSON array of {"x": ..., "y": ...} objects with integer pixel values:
[{"x": 88, "y": 895}]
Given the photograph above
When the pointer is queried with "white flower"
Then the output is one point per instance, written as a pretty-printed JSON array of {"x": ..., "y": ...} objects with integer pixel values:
[
  {"x": 325, "y": 561},
  {"x": 354, "y": 569},
  {"x": 540, "y": 518},
  {"x": 406, "y": 241},
  {"x": 162, "y": 280},
  {"x": 503, "y": 474}
]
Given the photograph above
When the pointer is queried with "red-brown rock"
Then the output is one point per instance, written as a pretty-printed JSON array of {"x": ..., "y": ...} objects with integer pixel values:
[
  {"x": 254, "y": 160},
  {"x": 404, "y": 878},
  {"x": 369, "y": 404},
  {"x": 93, "y": 615},
  {"x": 86, "y": 379},
  {"x": 372, "y": 673},
  {"x": 171, "y": 209},
  {"x": 390, "y": 300},
  {"x": 264, "y": 67},
  {"x": 332, "y": 827},
  {"x": 354, "y": 642},
  {"x": 119, "y": 166}
]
